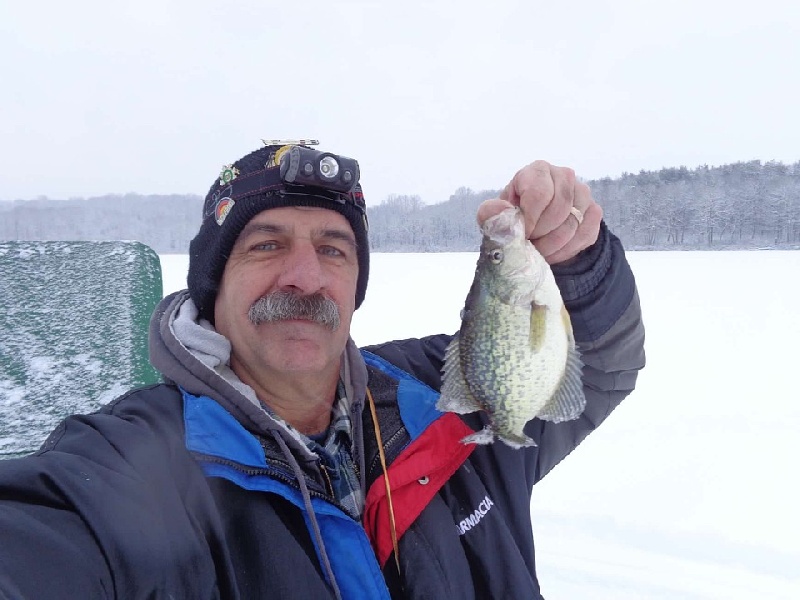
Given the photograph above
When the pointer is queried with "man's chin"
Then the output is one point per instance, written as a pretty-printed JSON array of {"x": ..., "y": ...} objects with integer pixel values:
[{"x": 299, "y": 349}]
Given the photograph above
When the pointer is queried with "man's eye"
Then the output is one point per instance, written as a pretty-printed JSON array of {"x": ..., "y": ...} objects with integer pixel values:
[
  {"x": 330, "y": 251},
  {"x": 265, "y": 246}
]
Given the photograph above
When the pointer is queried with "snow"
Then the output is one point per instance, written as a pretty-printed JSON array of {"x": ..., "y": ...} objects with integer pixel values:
[{"x": 689, "y": 490}]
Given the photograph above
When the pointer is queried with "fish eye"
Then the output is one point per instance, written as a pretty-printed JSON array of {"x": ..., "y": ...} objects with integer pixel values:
[{"x": 496, "y": 256}]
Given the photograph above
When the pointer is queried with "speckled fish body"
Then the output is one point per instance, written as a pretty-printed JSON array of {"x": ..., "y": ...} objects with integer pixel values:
[{"x": 514, "y": 356}]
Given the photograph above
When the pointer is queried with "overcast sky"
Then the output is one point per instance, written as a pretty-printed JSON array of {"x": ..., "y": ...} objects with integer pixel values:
[{"x": 154, "y": 96}]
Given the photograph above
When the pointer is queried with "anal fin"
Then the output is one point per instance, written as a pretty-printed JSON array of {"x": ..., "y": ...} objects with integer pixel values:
[{"x": 483, "y": 437}]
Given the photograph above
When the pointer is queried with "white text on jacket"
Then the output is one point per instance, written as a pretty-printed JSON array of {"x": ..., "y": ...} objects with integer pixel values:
[{"x": 476, "y": 516}]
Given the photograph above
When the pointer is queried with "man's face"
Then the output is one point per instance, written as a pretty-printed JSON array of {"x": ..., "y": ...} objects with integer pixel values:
[{"x": 302, "y": 251}]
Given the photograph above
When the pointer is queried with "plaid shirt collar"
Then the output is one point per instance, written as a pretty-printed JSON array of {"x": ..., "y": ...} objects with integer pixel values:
[{"x": 336, "y": 456}]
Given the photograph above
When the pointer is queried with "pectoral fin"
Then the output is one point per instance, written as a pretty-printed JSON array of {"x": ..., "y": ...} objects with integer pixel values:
[
  {"x": 538, "y": 326},
  {"x": 455, "y": 394}
]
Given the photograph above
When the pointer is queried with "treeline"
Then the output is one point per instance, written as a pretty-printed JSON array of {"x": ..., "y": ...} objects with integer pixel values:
[
  {"x": 737, "y": 206},
  {"x": 742, "y": 205},
  {"x": 165, "y": 223}
]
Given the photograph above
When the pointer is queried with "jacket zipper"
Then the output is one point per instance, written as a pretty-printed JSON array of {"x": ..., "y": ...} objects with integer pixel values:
[
  {"x": 327, "y": 477},
  {"x": 372, "y": 470},
  {"x": 275, "y": 474}
]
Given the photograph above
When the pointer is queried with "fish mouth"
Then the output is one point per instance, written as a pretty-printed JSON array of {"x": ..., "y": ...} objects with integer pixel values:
[{"x": 504, "y": 227}]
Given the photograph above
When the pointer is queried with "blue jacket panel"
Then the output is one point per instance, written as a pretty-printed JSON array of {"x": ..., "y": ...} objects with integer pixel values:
[{"x": 225, "y": 449}]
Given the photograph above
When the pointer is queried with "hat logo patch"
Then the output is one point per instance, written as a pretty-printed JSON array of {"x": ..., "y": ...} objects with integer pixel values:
[
  {"x": 224, "y": 206},
  {"x": 228, "y": 174}
]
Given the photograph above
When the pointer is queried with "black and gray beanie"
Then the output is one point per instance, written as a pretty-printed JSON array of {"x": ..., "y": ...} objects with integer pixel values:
[{"x": 249, "y": 186}]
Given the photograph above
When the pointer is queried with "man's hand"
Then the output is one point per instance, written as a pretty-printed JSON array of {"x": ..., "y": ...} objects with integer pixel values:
[{"x": 547, "y": 196}]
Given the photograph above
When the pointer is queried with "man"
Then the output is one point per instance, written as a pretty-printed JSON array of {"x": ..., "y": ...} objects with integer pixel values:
[{"x": 259, "y": 469}]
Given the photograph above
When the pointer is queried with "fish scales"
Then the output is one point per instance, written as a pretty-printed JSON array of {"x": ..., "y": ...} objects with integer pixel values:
[{"x": 514, "y": 357}]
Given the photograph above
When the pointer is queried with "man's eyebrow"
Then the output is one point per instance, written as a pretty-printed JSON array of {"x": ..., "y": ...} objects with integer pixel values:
[
  {"x": 337, "y": 234},
  {"x": 262, "y": 228}
]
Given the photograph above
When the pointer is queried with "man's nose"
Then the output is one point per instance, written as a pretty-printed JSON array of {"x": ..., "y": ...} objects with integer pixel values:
[{"x": 302, "y": 270}]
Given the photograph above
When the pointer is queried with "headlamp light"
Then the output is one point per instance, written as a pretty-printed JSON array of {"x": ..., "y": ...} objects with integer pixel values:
[{"x": 328, "y": 167}]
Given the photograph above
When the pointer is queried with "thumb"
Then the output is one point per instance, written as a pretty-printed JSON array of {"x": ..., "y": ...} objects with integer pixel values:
[{"x": 490, "y": 208}]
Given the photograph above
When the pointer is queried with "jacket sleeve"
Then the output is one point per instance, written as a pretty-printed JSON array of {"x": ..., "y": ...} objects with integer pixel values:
[
  {"x": 599, "y": 291},
  {"x": 48, "y": 547},
  {"x": 600, "y": 294},
  {"x": 104, "y": 510}
]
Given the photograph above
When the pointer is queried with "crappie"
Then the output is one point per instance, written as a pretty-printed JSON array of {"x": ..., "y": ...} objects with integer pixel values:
[{"x": 514, "y": 356}]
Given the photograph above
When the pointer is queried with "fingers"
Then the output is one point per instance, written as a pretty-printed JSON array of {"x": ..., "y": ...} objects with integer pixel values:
[
  {"x": 547, "y": 195},
  {"x": 585, "y": 236},
  {"x": 568, "y": 225},
  {"x": 532, "y": 189},
  {"x": 557, "y": 209}
]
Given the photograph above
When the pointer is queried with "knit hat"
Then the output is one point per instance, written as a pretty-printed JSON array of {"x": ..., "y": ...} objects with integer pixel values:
[{"x": 249, "y": 186}]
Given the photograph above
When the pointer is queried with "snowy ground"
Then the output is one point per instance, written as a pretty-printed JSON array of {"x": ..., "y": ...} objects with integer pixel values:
[{"x": 687, "y": 491}]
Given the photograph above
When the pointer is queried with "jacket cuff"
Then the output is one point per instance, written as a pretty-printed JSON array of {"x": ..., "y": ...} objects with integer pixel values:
[{"x": 581, "y": 275}]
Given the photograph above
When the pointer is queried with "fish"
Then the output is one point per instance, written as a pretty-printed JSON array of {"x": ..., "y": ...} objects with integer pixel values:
[{"x": 514, "y": 356}]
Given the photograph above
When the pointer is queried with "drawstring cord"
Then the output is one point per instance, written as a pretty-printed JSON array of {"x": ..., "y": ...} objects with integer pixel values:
[
  {"x": 310, "y": 509},
  {"x": 301, "y": 480},
  {"x": 392, "y": 525}
]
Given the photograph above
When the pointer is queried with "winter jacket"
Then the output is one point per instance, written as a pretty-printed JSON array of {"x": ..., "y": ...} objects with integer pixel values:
[{"x": 190, "y": 489}]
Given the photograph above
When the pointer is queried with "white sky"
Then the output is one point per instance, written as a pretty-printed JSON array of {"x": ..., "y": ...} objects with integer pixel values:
[{"x": 153, "y": 96}]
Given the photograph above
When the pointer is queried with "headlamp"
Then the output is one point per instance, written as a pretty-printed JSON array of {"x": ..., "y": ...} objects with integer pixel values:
[{"x": 305, "y": 166}]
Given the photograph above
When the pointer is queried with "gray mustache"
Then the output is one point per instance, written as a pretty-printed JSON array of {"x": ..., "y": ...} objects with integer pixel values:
[{"x": 282, "y": 305}]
